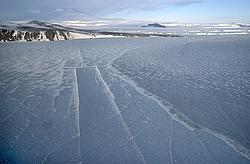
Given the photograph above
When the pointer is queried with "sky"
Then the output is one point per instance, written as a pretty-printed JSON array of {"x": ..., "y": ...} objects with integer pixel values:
[{"x": 193, "y": 11}]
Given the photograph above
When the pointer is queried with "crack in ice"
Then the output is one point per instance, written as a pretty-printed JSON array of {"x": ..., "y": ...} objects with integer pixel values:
[
  {"x": 56, "y": 148},
  {"x": 185, "y": 121},
  {"x": 117, "y": 110},
  {"x": 171, "y": 141},
  {"x": 205, "y": 146}
]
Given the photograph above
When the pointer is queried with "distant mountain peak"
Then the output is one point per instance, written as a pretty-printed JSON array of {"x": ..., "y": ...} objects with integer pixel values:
[
  {"x": 40, "y": 23},
  {"x": 155, "y": 25}
]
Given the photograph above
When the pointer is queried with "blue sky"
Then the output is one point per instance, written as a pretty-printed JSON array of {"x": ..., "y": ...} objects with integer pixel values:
[
  {"x": 205, "y": 11},
  {"x": 162, "y": 10}
]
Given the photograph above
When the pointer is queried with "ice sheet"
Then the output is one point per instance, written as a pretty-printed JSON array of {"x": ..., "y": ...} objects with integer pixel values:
[{"x": 137, "y": 100}]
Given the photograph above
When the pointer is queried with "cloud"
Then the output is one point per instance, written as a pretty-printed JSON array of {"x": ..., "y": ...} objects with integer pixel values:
[
  {"x": 90, "y": 7},
  {"x": 59, "y": 10},
  {"x": 110, "y": 6},
  {"x": 183, "y": 2},
  {"x": 35, "y": 11}
]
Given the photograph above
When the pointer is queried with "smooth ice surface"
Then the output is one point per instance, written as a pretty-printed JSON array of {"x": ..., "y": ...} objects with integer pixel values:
[{"x": 137, "y": 100}]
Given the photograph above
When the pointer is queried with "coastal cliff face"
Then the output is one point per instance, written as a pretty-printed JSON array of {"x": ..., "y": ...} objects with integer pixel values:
[
  {"x": 33, "y": 31},
  {"x": 43, "y": 35}
]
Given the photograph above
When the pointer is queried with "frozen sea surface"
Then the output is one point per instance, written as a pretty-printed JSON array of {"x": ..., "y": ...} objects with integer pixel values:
[{"x": 137, "y": 100}]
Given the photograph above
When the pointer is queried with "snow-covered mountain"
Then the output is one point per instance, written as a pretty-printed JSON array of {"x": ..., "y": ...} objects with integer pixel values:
[
  {"x": 44, "y": 31},
  {"x": 85, "y": 29},
  {"x": 37, "y": 31}
]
